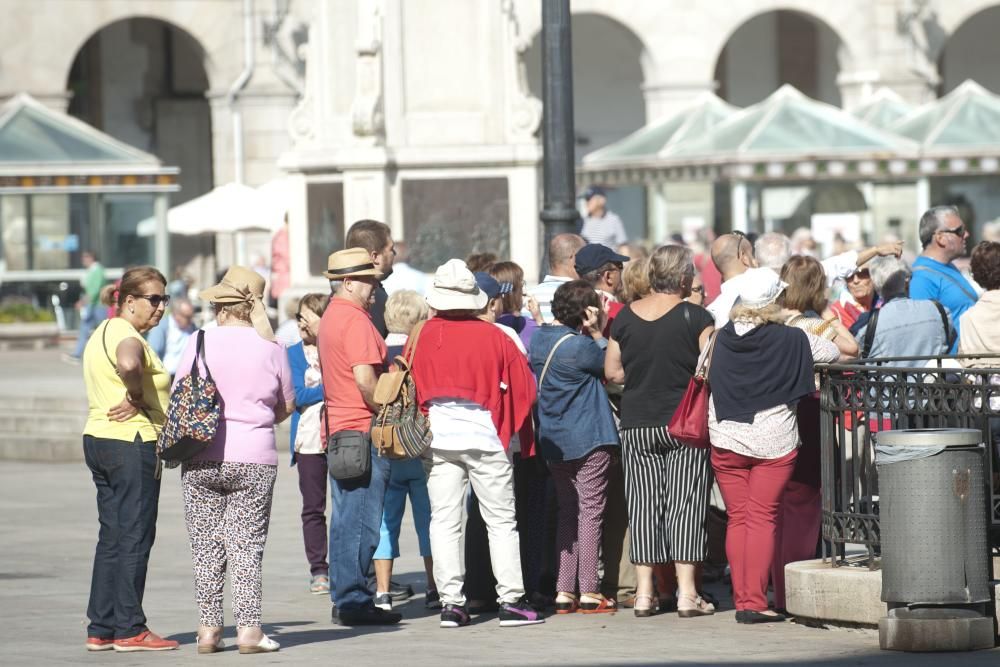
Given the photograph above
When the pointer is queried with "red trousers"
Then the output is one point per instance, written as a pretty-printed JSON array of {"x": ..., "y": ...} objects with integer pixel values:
[
  {"x": 752, "y": 490},
  {"x": 800, "y": 516}
]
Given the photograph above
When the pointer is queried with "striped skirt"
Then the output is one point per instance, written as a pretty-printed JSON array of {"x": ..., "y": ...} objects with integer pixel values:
[{"x": 667, "y": 486}]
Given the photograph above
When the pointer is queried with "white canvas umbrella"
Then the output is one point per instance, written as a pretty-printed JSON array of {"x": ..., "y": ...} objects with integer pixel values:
[{"x": 228, "y": 208}]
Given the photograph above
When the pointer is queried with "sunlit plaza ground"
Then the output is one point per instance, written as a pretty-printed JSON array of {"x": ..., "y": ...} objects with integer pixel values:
[{"x": 48, "y": 529}]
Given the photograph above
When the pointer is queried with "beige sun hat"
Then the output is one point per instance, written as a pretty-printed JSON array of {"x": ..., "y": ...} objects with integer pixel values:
[
  {"x": 350, "y": 263},
  {"x": 454, "y": 288},
  {"x": 243, "y": 285}
]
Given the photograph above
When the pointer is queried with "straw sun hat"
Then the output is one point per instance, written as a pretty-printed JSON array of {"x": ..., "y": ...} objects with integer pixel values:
[{"x": 243, "y": 285}]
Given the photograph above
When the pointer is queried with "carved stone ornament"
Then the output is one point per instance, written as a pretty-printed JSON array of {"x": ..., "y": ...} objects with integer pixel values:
[
  {"x": 524, "y": 110},
  {"x": 367, "y": 116}
]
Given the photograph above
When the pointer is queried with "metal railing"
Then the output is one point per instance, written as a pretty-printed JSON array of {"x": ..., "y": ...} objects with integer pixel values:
[{"x": 859, "y": 399}]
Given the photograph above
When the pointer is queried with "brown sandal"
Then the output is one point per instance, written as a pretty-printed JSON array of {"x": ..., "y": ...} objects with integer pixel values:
[
  {"x": 690, "y": 606},
  {"x": 646, "y": 612}
]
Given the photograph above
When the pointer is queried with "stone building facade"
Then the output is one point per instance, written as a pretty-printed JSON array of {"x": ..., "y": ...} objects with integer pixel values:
[{"x": 425, "y": 113}]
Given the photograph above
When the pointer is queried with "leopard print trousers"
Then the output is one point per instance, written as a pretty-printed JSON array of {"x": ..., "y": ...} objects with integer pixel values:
[{"x": 227, "y": 508}]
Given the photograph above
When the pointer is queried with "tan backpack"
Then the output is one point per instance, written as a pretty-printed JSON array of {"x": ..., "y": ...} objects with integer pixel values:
[{"x": 400, "y": 430}]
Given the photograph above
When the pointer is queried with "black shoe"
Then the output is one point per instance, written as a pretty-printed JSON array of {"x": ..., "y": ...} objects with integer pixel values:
[
  {"x": 367, "y": 616},
  {"x": 454, "y": 616},
  {"x": 514, "y": 614},
  {"x": 400, "y": 592},
  {"x": 383, "y": 602},
  {"x": 750, "y": 617},
  {"x": 432, "y": 600}
]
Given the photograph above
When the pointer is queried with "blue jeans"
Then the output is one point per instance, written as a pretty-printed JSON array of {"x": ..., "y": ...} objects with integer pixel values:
[
  {"x": 90, "y": 316},
  {"x": 127, "y": 498},
  {"x": 406, "y": 477},
  {"x": 355, "y": 519}
]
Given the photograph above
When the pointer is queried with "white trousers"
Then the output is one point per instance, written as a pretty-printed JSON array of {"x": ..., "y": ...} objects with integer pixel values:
[{"x": 492, "y": 478}]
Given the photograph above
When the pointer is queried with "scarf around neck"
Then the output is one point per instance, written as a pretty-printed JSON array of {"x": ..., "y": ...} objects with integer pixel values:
[{"x": 768, "y": 366}]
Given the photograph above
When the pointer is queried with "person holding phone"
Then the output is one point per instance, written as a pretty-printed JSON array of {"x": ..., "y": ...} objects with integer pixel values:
[{"x": 577, "y": 437}]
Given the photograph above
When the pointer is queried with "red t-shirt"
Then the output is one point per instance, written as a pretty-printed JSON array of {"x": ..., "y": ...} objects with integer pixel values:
[{"x": 347, "y": 338}]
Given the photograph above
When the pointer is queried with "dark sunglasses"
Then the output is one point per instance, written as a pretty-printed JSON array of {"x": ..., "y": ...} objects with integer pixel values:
[
  {"x": 863, "y": 274},
  {"x": 958, "y": 231},
  {"x": 154, "y": 299}
]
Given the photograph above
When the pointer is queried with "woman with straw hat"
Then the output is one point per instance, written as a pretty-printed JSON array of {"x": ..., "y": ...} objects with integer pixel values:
[{"x": 228, "y": 487}]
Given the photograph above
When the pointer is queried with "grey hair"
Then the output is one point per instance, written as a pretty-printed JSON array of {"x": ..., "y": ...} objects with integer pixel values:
[
  {"x": 772, "y": 250},
  {"x": 336, "y": 286},
  {"x": 669, "y": 268},
  {"x": 882, "y": 269},
  {"x": 931, "y": 221}
]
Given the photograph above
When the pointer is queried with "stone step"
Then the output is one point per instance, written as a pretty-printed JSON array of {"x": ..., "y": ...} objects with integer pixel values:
[
  {"x": 46, "y": 404},
  {"x": 50, "y": 448},
  {"x": 41, "y": 422}
]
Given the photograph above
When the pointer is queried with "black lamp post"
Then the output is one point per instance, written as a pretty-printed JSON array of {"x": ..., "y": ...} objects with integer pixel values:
[{"x": 559, "y": 214}]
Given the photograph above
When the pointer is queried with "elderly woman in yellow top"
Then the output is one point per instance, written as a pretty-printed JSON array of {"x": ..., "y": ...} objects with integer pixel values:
[{"x": 127, "y": 390}]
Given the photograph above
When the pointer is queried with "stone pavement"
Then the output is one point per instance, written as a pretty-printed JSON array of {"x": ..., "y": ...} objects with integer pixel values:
[{"x": 48, "y": 528}]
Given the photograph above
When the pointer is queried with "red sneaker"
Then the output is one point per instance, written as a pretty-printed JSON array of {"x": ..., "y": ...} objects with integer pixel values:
[
  {"x": 145, "y": 641},
  {"x": 98, "y": 644}
]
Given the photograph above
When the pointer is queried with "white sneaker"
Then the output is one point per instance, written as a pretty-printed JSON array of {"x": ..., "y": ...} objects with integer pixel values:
[{"x": 383, "y": 601}]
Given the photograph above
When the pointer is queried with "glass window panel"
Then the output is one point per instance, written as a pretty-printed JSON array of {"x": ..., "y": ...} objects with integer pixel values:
[
  {"x": 325, "y": 202},
  {"x": 14, "y": 232},
  {"x": 50, "y": 232},
  {"x": 445, "y": 218},
  {"x": 122, "y": 214}
]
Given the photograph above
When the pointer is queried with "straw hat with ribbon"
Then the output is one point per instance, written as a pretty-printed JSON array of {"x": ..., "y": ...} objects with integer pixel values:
[
  {"x": 242, "y": 285},
  {"x": 351, "y": 263}
]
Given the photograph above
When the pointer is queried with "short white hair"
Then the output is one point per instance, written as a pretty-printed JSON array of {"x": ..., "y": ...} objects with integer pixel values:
[
  {"x": 884, "y": 268},
  {"x": 772, "y": 250}
]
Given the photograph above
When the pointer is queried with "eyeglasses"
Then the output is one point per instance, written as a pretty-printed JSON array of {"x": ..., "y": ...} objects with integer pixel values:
[
  {"x": 863, "y": 274},
  {"x": 957, "y": 231},
  {"x": 154, "y": 299}
]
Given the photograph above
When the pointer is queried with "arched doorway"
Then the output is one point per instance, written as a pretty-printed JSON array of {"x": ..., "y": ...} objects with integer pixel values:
[
  {"x": 608, "y": 103},
  {"x": 972, "y": 52},
  {"x": 776, "y": 48},
  {"x": 143, "y": 81}
]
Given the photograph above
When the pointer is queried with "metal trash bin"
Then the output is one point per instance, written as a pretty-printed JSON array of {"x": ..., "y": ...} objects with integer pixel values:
[{"x": 933, "y": 519}]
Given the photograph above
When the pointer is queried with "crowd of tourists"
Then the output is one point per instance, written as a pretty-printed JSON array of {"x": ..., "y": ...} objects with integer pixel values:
[{"x": 551, "y": 461}]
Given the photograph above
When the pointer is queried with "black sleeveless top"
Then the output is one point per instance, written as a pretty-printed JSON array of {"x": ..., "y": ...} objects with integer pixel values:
[{"x": 659, "y": 358}]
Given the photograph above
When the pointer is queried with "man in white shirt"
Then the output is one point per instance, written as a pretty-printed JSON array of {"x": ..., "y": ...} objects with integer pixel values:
[
  {"x": 562, "y": 262},
  {"x": 601, "y": 225},
  {"x": 169, "y": 338},
  {"x": 732, "y": 254},
  {"x": 403, "y": 275}
]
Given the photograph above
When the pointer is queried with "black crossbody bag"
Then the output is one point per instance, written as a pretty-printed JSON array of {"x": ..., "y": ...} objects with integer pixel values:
[{"x": 349, "y": 452}]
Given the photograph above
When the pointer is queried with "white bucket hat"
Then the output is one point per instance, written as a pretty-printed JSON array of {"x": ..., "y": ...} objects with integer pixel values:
[
  {"x": 454, "y": 288},
  {"x": 760, "y": 287}
]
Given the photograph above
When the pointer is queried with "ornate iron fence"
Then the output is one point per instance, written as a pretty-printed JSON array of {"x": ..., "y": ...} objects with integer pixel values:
[{"x": 859, "y": 399}]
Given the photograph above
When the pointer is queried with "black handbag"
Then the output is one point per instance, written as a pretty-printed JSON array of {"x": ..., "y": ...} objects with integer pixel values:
[{"x": 349, "y": 455}]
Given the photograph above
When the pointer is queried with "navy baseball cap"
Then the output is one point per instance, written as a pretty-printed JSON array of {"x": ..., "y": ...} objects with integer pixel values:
[
  {"x": 490, "y": 286},
  {"x": 593, "y": 191},
  {"x": 595, "y": 255}
]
